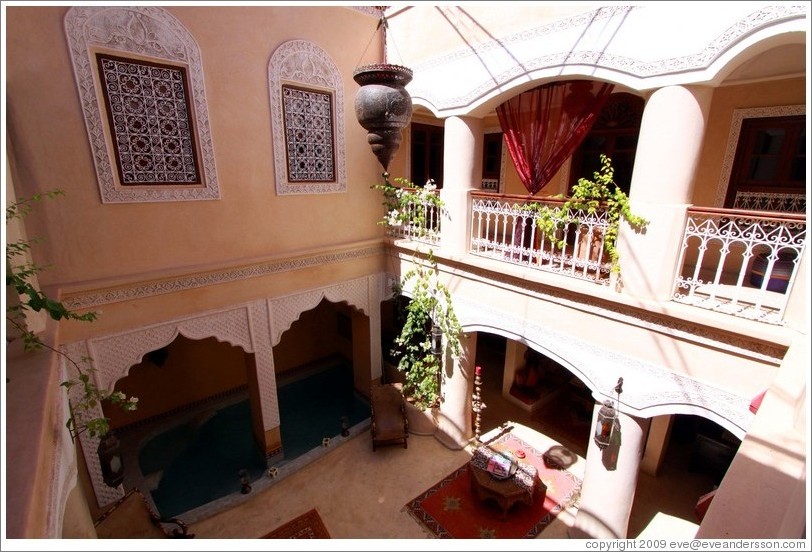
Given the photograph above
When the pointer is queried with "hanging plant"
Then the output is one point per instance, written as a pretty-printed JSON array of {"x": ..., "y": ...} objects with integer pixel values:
[
  {"x": 430, "y": 304},
  {"x": 401, "y": 202},
  {"x": 588, "y": 196}
]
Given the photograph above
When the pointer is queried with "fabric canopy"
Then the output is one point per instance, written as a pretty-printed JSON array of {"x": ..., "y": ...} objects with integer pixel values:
[{"x": 544, "y": 126}]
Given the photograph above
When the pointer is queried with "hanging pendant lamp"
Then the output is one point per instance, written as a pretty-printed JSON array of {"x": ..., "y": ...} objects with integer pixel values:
[{"x": 382, "y": 105}]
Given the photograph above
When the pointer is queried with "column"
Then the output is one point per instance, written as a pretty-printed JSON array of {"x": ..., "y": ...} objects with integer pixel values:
[
  {"x": 610, "y": 479},
  {"x": 670, "y": 142},
  {"x": 462, "y": 171},
  {"x": 454, "y": 428}
]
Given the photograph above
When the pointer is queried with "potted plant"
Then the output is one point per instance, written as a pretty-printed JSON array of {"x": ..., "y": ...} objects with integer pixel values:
[{"x": 588, "y": 196}]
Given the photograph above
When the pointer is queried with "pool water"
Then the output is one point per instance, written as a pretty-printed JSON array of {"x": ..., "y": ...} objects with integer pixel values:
[{"x": 201, "y": 461}]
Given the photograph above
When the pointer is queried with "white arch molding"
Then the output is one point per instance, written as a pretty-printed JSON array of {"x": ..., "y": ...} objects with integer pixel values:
[
  {"x": 255, "y": 327},
  {"x": 648, "y": 390},
  {"x": 306, "y": 64}
]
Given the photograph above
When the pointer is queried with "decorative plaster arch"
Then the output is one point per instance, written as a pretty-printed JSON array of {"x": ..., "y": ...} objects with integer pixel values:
[
  {"x": 245, "y": 326},
  {"x": 286, "y": 310},
  {"x": 496, "y": 70},
  {"x": 145, "y": 31},
  {"x": 649, "y": 390}
]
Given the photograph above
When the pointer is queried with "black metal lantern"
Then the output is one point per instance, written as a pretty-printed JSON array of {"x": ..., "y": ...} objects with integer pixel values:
[
  {"x": 383, "y": 107},
  {"x": 436, "y": 340},
  {"x": 110, "y": 459},
  {"x": 607, "y": 416}
]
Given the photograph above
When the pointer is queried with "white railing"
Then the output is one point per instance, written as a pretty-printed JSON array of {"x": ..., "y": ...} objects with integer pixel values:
[
  {"x": 424, "y": 222},
  {"x": 742, "y": 263},
  {"x": 504, "y": 228}
]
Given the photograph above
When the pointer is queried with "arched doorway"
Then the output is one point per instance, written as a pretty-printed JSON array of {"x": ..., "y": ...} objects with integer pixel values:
[
  {"x": 191, "y": 436},
  {"x": 322, "y": 378},
  {"x": 695, "y": 461},
  {"x": 524, "y": 385}
]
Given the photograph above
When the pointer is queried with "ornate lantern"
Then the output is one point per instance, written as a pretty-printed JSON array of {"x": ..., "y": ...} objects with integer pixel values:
[
  {"x": 383, "y": 107},
  {"x": 110, "y": 459},
  {"x": 607, "y": 416},
  {"x": 436, "y": 340}
]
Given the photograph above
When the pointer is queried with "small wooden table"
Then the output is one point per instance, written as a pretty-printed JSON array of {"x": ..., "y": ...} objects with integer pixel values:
[{"x": 522, "y": 486}]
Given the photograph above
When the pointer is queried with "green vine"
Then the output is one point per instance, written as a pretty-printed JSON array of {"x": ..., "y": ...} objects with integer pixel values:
[
  {"x": 588, "y": 196},
  {"x": 20, "y": 275},
  {"x": 430, "y": 302}
]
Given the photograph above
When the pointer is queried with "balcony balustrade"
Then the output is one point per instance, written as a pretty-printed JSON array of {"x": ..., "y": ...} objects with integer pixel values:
[
  {"x": 504, "y": 228},
  {"x": 423, "y": 217},
  {"x": 742, "y": 263},
  {"x": 738, "y": 262}
]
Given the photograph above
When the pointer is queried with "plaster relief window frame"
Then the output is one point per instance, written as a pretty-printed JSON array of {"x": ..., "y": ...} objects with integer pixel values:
[
  {"x": 304, "y": 66},
  {"x": 150, "y": 35},
  {"x": 739, "y": 115}
]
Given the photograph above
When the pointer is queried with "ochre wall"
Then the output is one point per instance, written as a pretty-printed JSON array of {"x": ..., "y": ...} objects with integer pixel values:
[{"x": 50, "y": 148}]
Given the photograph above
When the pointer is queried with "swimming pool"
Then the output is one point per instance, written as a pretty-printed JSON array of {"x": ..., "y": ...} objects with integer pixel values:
[{"x": 201, "y": 460}]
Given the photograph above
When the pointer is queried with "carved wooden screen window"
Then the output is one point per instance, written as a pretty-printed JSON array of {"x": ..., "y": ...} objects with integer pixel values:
[
  {"x": 769, "y": 172},
  {"x": 308, "y": 119},
  {"x": 150, "y": 120},
  {"x": 139, "y": 75}
]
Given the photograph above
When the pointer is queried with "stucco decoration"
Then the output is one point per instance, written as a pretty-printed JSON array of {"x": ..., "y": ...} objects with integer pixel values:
[
  {"x": 286, "y": 310},
  {"x": 104, "y": 495},
  {"x": 244, "y": 326},
  {"x": 579, "y": 45},
  {"x": 97, "y": 297},
  {"x": 739, "y": 115},
  {"x": 64, "y": 469},
  {"x": 648, "y": 390},
  {"x": 149, "y": 32},
  {"x": 304, "y": 64}
]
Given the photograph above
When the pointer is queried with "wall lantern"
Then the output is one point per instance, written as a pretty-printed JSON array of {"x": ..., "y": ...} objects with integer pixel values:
[
  {"x": 110, "y": 459},
  {"x": 436, "y": 340},
  {"x": 607, "y": 418}
]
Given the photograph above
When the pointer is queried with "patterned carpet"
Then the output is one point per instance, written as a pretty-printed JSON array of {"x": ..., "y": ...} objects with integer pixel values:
[
  {"x": 307, "y": 526},
  {"x": 450, "y": 510}
]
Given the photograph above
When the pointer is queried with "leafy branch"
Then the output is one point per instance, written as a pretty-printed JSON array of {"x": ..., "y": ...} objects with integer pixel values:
[
  {"x": 430, "y": 303},
  {"x": 20, "y": 276},
  {"x": 588, "y": 197},
  {"x": 409, "y": 206}
]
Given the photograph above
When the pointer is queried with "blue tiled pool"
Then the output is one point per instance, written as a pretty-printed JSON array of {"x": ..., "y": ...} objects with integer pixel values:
[{"x": 201, "y": 462}]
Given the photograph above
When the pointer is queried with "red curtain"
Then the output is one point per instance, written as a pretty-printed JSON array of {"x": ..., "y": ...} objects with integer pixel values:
[{"x": 544, "y": 126}]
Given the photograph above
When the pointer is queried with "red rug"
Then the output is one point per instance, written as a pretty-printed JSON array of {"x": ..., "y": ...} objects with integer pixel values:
[
  {"x": 449, "y": 509},
  {"x": 307, "y": 526}
]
